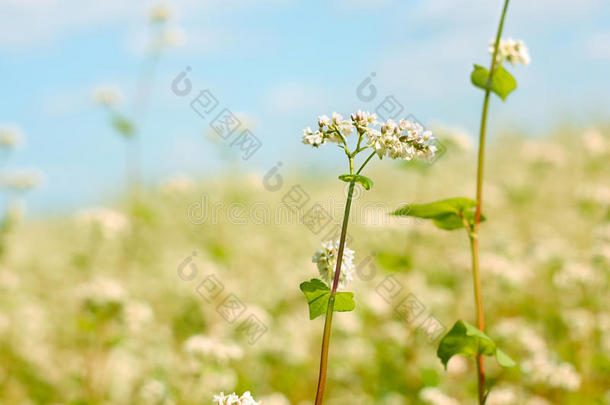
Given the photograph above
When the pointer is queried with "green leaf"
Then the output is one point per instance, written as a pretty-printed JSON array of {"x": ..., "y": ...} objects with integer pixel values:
[
  {"x": 466, "y": 340},
  {"x": 318, "y": 294},
  {"x": 502, "y": 82},
  {"x": 446, "y": 214},
  {"x": 123, "y": 126},
  {"x": 365, "y": 181}
]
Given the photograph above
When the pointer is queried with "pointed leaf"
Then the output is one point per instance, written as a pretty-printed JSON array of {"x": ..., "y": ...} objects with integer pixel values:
[
  {"x": 466, "y": 340},
  {"x": 318, "y": 294},
  {"x": 365, "y": 181},
  {"x": 502, "y": 82},
  {"x": 446, "y": 214}
]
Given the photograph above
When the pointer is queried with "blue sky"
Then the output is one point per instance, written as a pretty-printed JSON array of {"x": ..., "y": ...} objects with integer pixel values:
[{"x": 281, "y": 63}]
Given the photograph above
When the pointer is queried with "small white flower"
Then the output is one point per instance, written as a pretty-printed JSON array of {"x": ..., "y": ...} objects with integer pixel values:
[
  {"x": 233, "y": 399},
  {"x": 326, "y": 260},
  {"x": 512, "y": 51},
  {"x": 109, "y": 96},
  {"x": 10, "y": 136}
]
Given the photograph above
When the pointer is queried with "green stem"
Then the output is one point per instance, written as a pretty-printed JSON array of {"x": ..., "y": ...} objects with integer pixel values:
[
  {"x": 365, "y": 162},
  {"x": 331, "y": 301},
  {"x": 474, "y": 235}
]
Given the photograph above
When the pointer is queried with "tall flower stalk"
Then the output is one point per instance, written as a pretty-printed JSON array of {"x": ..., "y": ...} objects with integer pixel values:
[
  {"x": 473, "y": 233},
  {"x": 458, "y": 213},
  {"x": 403, "y": 140}
]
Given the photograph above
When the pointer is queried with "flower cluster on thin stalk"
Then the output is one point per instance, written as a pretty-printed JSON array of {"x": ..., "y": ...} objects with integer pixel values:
[
  {"x": 397, "y": 140},
  {"x": 512, "y": 51},
  {"x": 465, "y": 213},
  {"x": 325, "y": 259}
]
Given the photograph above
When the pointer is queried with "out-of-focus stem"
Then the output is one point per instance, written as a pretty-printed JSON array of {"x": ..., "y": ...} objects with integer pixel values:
[{"x": 474, "y": 235}]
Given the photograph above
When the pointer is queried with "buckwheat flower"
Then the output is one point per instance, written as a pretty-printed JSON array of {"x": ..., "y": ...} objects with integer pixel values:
[
  {"x": 326, "y": 261},
  {"x": 407, "y": 140},
  {"x": 233, "y": 399},
  {"x": 510, "y": 50},
  {"x": 108, "y": 96},
  {"x": 313, "y": 138},
  {"x": 10, "y": 136}
]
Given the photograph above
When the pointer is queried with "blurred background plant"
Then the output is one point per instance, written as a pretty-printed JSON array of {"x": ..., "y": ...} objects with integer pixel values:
[{"x": 93, "y": 310}]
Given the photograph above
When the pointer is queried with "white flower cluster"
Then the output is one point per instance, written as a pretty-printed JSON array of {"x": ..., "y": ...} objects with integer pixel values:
[
  {"x": 405, "y": 140},
  {"x": 326, "y": 260},
  {"x": 108, "y": 221},
  {"x": 233, "y": 399},
  {"x": 512, "y": 51},
  {"x": 333, "y": 129}
]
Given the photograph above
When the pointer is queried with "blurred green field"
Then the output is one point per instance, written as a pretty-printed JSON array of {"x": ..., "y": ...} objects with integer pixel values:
[{"x": 94, "y": 311}]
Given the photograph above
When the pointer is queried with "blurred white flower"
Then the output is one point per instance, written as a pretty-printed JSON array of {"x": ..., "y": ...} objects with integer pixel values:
[
  {"x": 512, "y": 51},
  {"x": 502, "y": 396},
  {"x": 137, "y": 315},
  {"x": 160, "y": 13},
  {"x": 107, "y": 95},
  {"x": 201, "y": 347},
  {"x": 275, "y": 399},
  {"x": 457, "y": 137},
  {"x": 108, "y": 221},
  {"x": 543, "y": 370},
  {"x": 179, "y": 183},
  {"x": 434, "y": 396},
  {"x": 21, "y": 180},
  {"x": 153, "y": 392},
  {"x": 575, "y": 273},
  {"x": 594, "y": 142},
  {"x": 544, "y": 152},
  {"x": 101, "y": 291},
  {"x": 173, "y": 37},
  {"x": 10, "y": 136},
  {"x": 326, "y": 260},
  {"x": 233, "y": 399},
  {"x": 457, "y": 365}
]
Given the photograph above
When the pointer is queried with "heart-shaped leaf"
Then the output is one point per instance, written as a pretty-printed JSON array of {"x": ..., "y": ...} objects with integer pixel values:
[
  {"x": 466, "y": 340},
  {"x": 446, "y": 214},
  {"x": 502, "y": 82},
  {"x": 365, "y": 181},
  {"x": 318, "y": 295}
]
